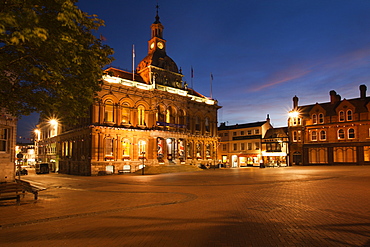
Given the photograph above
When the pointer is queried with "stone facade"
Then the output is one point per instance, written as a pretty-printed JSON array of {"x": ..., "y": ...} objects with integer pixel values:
[
  {"x": 8, "y": 134},
  {"x": 146, "y": 118}
]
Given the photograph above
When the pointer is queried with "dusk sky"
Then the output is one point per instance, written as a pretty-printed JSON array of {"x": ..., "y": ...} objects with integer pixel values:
[{"x": 261, "y": 53}]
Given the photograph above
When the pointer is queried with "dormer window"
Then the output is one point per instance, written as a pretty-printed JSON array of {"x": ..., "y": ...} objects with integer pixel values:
[
  {"x": 349, "y": 115},
  {"x": 321, "y": 118},
  {"x": 341, "y": 116},
  {"x": 314, "y": 119}
]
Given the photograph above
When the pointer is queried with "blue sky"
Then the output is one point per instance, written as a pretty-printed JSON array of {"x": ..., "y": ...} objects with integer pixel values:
[{"x": 261, "y": 52}]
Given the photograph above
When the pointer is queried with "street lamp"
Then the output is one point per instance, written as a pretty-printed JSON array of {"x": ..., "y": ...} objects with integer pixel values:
[{"x": 142, "y": 170}]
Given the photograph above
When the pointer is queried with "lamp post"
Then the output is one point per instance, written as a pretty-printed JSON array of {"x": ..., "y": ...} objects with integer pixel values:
[{"x": 142, "y": 170}]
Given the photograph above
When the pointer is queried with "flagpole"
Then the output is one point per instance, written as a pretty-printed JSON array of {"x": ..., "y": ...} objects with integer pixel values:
[
  {"x": 133, "y": 62},
  {"x": 211, "y": 79},
  {"x": 192, "y": 75}
]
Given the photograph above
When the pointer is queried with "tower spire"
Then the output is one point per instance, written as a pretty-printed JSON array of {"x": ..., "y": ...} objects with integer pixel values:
[{"x": 157, "y": 15}]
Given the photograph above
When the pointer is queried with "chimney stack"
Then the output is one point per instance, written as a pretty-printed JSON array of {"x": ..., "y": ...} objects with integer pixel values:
[
  {"x": 363, "y": 89},
  {"x": 334, "y": 97},
  {"x": 295, "y": 102}
]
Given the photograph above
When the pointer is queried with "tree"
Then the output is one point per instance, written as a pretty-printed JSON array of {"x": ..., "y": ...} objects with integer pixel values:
[{"x": 50, "y": 61}]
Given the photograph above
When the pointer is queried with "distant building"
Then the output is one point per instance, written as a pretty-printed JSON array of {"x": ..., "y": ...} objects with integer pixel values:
[
  {"x": 241, "y": 144},
  {"x": 150, "y": 117},
  {"x": 8, "y": 132},
  {"x": 275, "y": 146},
  {"x": 335, "y": 132},
  {"x": 28, "y": 152}
]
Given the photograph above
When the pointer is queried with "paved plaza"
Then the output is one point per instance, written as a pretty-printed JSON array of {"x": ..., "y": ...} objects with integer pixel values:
[{"x": 291, "y": 206}]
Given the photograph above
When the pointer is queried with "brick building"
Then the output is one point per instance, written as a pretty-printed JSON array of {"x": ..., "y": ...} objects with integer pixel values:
[{"x": 335, "y": 132}]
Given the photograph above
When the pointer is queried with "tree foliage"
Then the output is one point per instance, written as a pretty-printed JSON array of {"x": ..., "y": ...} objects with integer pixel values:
[{"x": 50, "y": 61}]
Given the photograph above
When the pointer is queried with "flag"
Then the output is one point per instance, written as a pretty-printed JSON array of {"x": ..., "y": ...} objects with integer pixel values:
[
  {"x": 211, "y": 77},
  {"x": 192, "y": 72}
]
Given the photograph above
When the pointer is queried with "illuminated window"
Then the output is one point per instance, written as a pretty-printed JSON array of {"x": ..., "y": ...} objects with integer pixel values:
[
  {"x": 349, "y": 115},
  {"x": 341, "y": 134},
  {"x": 108, "y": 111},
  {"x": 351, "y": 133},
  {"x": 141, "y": 148},
  {"x": 141, "y": 115},
  {"x": 341, "y": 116},
  {"x": 126, "y": 148},
  {"x": 322, "y": 135},
  {"x": 314, "y": 119},
  {"x": 321, "y": 118},
  {"x": 125, "y": 113},
  {"x": 3, "y": 139},
  {"x": 109, "y": 147}
]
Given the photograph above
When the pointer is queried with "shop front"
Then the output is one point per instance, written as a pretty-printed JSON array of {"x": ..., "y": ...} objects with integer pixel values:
[{"x": 274, "y": 159}]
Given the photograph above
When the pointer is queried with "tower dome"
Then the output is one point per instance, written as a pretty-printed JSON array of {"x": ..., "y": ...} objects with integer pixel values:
[{"x": 157, "y": 67}]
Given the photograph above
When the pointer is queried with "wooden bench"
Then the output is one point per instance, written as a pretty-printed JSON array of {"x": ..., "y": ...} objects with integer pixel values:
[
  {"x": 26, "y": 186},
  {"x": 11, "y": 191}
]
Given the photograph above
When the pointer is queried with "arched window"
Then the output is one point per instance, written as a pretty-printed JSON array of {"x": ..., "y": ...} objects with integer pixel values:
[
  {"x": 168, "y": 115},
  {"x": 341, "y": 134},
  {"x": 322, "y": 135},
  {"x": 126, "y": 148},
  {"x": 125, "y": 113},
  {"x": 161, "y": 115},
  {"x": 108, "y": 111},
  {"x": 197, "y": 123},
  {"x": 295, "y": 137},
  {"x": 351, "y": 133},
  {"x": 314, "y": 135},
  {"x": 171, "y": 115},
  {"x": 341, "y": 116},
  {"x": 182, "y": 118},
  {"x": 314, "y": 119},
  {"x": 321, "y": 118},
  {"x": 206, "y": 124},
  {"x": 141, "y": 148},
  {"x": 109, "y": 147},
  {"x": 349, "y": 115},
  {"x": 141, "y": 115}
]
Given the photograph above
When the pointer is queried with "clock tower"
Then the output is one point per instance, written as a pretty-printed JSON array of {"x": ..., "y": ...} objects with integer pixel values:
[
  {"x": 157, "y": 67},
  {"x": 157, "y": 42}
]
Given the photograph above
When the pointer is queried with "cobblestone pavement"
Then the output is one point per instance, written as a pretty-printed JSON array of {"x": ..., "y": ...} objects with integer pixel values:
[{"x": 292, "y": 206}]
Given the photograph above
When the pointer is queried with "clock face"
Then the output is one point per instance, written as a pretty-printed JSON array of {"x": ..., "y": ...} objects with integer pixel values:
[
  {"x": 152, "y": 45},
  {"x": 160, "y": 45}
]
